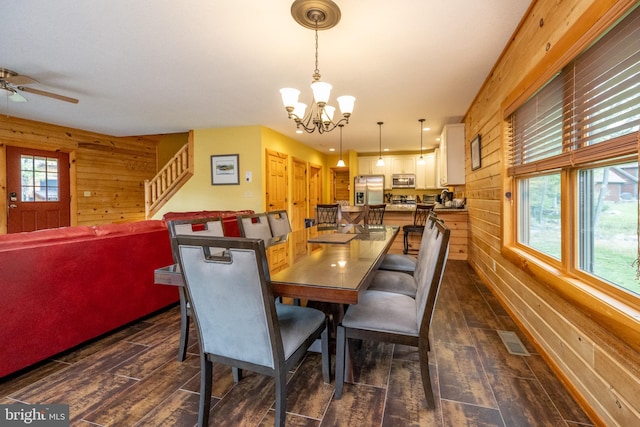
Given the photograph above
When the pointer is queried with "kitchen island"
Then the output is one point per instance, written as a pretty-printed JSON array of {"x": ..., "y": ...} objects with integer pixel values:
[{"x": 401, "y": 214}]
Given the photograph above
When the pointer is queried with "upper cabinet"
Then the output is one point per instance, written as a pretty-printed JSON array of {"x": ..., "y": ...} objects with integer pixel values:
[
  {"x": 452, "y": 155},
  {"x": 403, "y": 164},
  {"x": 427, "y": 172}
]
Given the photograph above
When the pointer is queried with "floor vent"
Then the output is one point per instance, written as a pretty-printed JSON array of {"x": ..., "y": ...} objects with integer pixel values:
[{"x": 513, "y": 343}]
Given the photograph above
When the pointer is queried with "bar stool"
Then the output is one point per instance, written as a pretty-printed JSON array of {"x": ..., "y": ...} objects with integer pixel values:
[{"x": 419, "y": 220}]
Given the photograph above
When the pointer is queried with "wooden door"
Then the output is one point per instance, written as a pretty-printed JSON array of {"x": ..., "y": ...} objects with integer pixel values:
[
  {"x": 315, "y": 189},
  {"x": 37, "y": 190},
  {"x": 299, "y": 194},
  {"x": 276, "y": 197},
  {"x": 341, "y": 185}
]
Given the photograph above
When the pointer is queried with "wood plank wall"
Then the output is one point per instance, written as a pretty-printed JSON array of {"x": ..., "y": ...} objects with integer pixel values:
[
  {"x": 601, "y": 370},
  {"x": 110, "y": 169}
]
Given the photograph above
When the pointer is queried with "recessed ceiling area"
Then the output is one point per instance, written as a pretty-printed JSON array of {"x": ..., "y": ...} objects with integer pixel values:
[{"x": 149, "y": 67}]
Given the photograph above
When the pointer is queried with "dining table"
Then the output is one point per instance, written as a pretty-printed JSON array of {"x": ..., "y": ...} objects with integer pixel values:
[{"x": 325, "y": 264}]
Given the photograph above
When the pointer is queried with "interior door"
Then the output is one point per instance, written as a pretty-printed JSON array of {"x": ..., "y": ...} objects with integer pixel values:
[
  {"x": 315, "y": 189},
  {"x": 37, "y": 189},
  {"x": 276, "y": 181},
  {"x": 299, "y": 194}
]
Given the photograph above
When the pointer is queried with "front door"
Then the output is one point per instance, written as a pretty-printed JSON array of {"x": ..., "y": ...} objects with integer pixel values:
[{"x": 37, "y": 189}]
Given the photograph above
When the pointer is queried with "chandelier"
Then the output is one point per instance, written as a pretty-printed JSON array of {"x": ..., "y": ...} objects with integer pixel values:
[{"x": 316, "y": 14}]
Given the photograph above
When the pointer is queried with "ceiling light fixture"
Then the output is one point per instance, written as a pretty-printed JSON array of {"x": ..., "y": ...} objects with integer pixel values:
[
  {"x": 421, "y": 159},
  {"x": 316, "y": 15},
  {"x": 340, "y": 161},
  {"x": 380, "y": 162}
]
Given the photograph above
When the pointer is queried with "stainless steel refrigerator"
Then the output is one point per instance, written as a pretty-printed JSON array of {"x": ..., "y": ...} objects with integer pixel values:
[{"x": 369, "y": 190}]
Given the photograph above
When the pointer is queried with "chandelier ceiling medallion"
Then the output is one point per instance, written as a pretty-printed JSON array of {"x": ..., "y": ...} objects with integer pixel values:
[{"x": 316, "y": 15}]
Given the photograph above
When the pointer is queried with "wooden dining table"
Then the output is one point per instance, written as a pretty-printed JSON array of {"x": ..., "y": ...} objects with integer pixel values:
[{"x": 330, "y": 265}]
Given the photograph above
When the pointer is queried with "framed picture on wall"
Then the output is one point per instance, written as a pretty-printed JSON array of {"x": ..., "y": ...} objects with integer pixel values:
[
  {"x": 224, "y": 170},
  {"x": 476, "y": 155}
]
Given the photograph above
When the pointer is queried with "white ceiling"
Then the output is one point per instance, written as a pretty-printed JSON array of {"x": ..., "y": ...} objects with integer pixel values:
[{"x": 160, "y": 66}]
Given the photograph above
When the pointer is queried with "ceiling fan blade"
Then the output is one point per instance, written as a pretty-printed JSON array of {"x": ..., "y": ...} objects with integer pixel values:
[
  {"x": 16, "y": 97},
  {"x": 19, "y": 79},
  {"x": 49, "y": 94}
]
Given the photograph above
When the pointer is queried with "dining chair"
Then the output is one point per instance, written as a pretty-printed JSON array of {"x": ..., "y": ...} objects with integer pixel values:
[
  {"x": 208, "y": 226},
  {"x": 327, "y": 214},
  {"x": 395, "y": 318},
  {"x": 279, "y": 222},
  {"x": 419, "y": 219},
  {"x": 255, "y": 226},
  {"x": 399, "y": 281},
  {"x": 374, "y": 214},
  {"x": 404, "y": 262},
  {"x": 237, "y": 319}
]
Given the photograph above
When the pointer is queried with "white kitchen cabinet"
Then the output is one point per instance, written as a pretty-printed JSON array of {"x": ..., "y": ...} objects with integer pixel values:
[
  {"x": 403, "y": 164},
  {"x": 367, "y": 165},
  {"x": 452, "y": 155},
  {"x": 427, "y": 172}
]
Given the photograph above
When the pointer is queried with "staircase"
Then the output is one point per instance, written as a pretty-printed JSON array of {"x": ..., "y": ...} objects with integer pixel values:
[{"x": 177, "y": 171}]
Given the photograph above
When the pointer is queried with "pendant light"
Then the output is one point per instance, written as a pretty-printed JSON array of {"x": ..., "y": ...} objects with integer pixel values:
[
  {"x": 421, "y": 159},
  {"x": 380, "y": 162},
  {"x": 340, "y": 162}
]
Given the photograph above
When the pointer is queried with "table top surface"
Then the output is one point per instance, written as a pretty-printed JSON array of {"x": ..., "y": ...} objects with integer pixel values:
[{"x": 331, "y": 272}]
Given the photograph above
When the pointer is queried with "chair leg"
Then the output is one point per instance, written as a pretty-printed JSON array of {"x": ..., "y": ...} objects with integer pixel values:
[
  {"x": 406, "y": 243},
  {"x": 205, "y": 391},
  {"x": 340, "y": 355},
  {"x": 184, "y": 326},
  {"x": 281, "y": 397},
  {"x": 426, "y": 375},
  {"x": 237, "y": 374},
  {"x": 326, "y": 356}
]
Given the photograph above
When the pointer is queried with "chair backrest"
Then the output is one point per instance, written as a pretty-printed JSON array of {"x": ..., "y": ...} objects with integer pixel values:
[
  {"x": 430, "y": 267},
  {"x": 421, "y": 214},
  {"x": 231, "y": 298},
  {"x": 208, "y": 226},
  {"x": 375, "y": 214},
  {"x": 279, "y": 222},
  {"x": 327, "y": 214},
  {"x": 255, "y": 226}
]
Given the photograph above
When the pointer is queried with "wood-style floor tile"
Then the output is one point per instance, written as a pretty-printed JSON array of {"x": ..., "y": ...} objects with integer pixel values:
[
  {"x": 539, "y": 411},
  {"x": 557, "y": 393},
  {"x": 461, "y": 376},
  {"x": 371, "y": 362},
  {"x": 143, "y": 396},
  {"x": 307, "y": 393},
  {"x": 456, "y": 414},
  {"x": 247, "y": 403},
  {"x": 361, "y": 405},
  {"x": 406, "y": 404},
  {"x": 495, "y": 357},
  {"x": 180, "y": 409}
]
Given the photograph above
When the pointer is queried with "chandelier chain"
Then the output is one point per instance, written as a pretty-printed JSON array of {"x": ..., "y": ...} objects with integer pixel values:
[{"x": 316, "y": 74}]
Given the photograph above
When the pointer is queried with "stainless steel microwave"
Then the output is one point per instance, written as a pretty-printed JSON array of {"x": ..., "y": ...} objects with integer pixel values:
[{"x": 403, "y": 180}]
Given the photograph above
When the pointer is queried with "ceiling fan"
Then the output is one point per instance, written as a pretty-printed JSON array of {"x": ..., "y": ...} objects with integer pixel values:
[{"x": 13, "y": 83}]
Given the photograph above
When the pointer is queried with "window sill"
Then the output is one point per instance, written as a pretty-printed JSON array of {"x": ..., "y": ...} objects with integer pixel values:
[{"x": 619, "y": 317}]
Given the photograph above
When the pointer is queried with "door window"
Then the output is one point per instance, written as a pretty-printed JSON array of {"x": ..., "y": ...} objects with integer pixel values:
[{"x": 39, "y": 179}]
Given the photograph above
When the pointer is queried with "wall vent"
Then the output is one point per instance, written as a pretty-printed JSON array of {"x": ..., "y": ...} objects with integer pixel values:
[{"x": 513, "y": 343}]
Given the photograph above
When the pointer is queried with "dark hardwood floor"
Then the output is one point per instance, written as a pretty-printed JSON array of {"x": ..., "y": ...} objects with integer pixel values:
[{"x": 132, "y": 378}]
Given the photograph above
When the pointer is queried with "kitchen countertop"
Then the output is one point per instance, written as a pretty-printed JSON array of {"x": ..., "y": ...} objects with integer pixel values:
[{"x": 401, "y": 208}]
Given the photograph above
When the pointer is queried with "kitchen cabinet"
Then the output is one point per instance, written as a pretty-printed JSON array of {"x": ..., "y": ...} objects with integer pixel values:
[
  {"x": 452, "y": 141},
  {"x": 427, "y": 173},
  {"x": 368, "y": 166},
  {"x": 403, "y": 164}
]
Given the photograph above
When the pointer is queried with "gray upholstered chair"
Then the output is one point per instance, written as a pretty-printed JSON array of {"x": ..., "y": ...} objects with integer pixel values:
[
  {"x": 396, "y": 318},
  {"x": 255, "y": 226},
  {"x": 279, "y": 222},
  {"x": 209, "y": 226},
  {"x": 374, "y": 214},
  {"x": 237, "y": 319},
  {"x": 402, "y": 262}
]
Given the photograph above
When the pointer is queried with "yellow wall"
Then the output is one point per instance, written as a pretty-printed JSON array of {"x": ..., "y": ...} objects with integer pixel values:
[
  {"x": 600, "y": 367},
  {"x": 169, "y": 146},
  {"x": 250, "y": 143}
]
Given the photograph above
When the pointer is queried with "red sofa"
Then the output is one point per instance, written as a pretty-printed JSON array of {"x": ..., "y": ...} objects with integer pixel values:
[{"x": 64, "y": 286}]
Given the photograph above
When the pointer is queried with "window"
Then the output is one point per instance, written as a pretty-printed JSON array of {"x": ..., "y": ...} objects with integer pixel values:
[
  {"x": 574, "y": 162},
  {"x": 39, "y": 176}
]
